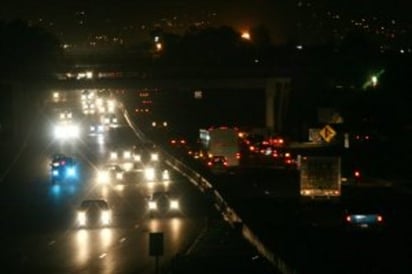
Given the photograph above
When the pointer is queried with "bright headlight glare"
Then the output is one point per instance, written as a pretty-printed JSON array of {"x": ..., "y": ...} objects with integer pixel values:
[
  {"x": 154, "y": 157},
  {"x": 81, "y": 218},
  {"x": 149, "y": 173},
  {"x": 152, "y": 205},
  {"x": 127, "y": 154},
  {"x": 113, "y": 155},
  {"x": 73, "y": 131},
  {"x": 103, "y": 176},
  {"x": 105, "y": 217},
  {"x": 174, "y": 204},
  {"x": 71, "y": 171},
  {"x": 165, "y": 175}
]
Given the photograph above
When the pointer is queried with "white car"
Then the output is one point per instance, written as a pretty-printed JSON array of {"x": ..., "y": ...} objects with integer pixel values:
[
  {"x": 109, "y": 174},
  {"x": 66, "y": 131}
]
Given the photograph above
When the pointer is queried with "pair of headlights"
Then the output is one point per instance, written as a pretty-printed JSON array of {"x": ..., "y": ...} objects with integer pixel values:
[
  {"x": 105, "y": 218},
  {"x": 173, "y": 205}
]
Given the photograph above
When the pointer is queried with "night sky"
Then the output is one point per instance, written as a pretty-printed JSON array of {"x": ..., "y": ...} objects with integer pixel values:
[{"x": 279, "y": 16}]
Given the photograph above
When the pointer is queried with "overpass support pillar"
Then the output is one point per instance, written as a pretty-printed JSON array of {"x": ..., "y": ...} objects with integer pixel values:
[{"x": 277, "y": 97}]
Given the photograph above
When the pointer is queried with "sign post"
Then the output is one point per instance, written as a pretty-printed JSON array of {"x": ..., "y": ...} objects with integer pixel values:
[{"x": 156, "y": 247}]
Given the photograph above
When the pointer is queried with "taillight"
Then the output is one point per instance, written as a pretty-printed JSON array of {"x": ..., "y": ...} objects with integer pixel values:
[
  {"x": 357, "y": 174},
  {"x": 348, "y": 219},
  {"x": 379, "y": 218}
]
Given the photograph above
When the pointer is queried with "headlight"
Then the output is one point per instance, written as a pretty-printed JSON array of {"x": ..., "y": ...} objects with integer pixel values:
[
  {"x": 105, "y": 217},
  {"x": 127, "y": 154},
  {"x": 113, "y": 155},
  {"x": 154, "y": 157},
  {"x": 149, "y": 173},
  {"x": 59, "y": 132},
  {"x": 55, "y": 172},
  {"x": 114, "y": 120},
  {"x": 81, "y": 218},
  {"x": 137, "y": 158},
  {"x": 56, "y": 95},
  {"x": 152, "y": 205},
  {"x": 165, "y": 175},
  {"x": 119, "y": 176},
  {"x": 71, "y": 171},
  {"x": 103, "y": 176},
  {"x": 174, "y": 204},
  {"x": 73, "y": 131},
  {"x": 128, "y": 166},
  {"x": 92, "y": 128}
]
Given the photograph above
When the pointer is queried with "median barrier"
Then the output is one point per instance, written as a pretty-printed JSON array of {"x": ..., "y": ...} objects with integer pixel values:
[{"x": 228, "y": 213}]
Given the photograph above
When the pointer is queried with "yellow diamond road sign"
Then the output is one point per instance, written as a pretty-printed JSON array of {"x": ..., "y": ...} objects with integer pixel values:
[{"x": 327, "y": 133}]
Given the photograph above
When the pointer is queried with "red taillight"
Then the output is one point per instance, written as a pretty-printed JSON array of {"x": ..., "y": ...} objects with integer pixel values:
[
  {"x": 379, "y": 218},
  {"x": 238, "y": 156},
  {"x": 348, "y": 219},
  {"x": 357, "y": 173}
]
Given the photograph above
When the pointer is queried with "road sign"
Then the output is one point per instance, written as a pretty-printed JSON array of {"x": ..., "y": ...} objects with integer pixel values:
[
  {"x": 327, "y": 133},
  {"x": 156, "y": 244}
]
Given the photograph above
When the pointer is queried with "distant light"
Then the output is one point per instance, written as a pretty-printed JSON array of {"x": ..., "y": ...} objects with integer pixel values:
[
  {"x": 156, "y": 39},
  {"x": 374, "y": 80},
  {"x": 198, "y": 94},
  {"x": 159, "y": 46},
  {"x": 402, "y": 51},
  {"x": 299, "y": 47},
  {"x": 245, "y": 35}
]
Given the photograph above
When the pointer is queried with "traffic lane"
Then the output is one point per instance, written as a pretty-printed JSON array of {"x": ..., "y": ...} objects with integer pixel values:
[
  {"x": 48, "y": 205},
  {"x": 122, "y": 247},
  {"x": 293, "y": 229}
]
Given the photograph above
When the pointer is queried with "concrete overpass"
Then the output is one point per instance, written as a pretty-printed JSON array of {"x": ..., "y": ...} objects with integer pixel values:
[{"x": 277, "y": 89}]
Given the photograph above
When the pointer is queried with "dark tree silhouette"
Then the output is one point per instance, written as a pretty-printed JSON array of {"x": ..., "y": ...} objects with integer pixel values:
[{"x": 27, "y": 52}]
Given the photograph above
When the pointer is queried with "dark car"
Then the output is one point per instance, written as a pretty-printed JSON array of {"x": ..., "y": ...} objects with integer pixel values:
[
  {"x": 163, "y": 202},
  {"x": 94, "y": 213},
  {"x": 217, "y": 164}
]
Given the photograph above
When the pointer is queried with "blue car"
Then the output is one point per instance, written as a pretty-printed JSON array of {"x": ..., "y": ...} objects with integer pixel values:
[
  {"x": 63, "y": 169},
  {"x": 365, "y": 217}
]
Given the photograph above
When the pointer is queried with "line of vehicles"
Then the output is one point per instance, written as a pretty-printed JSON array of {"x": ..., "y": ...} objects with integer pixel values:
[
  {"x": 139, "y": 163},
  {"x": 320, "y": 177}
]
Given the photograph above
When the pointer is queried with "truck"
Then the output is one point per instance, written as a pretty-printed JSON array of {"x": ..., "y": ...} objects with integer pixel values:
[
  {"x": 221, "y": 141},
  {"x": 320, "y": 177}
]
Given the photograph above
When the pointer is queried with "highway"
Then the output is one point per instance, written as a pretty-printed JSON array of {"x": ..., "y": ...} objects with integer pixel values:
[
  {"x": 301, "y": 236},
  {"x": 38, "y": 231}
]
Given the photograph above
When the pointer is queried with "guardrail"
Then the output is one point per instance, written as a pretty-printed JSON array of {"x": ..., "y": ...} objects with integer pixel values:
[{"x": 228, "y": 213}]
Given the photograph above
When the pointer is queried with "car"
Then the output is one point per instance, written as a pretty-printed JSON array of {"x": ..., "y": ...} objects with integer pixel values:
[
  {"x": 96, "y": 129},
  {"x": 94, "y": 213},
  {"x": 63, "y": 168},
  {"x": 163, "y": 203},
  {"x": 110, "y": 119},
  {"x": 217, "y": 164},
  {"x": 361, "y": 217},
  {"x": 155, "y": 174},
  {"x": 110, "y": 173},
  {"x": 66, "y": 130}
]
